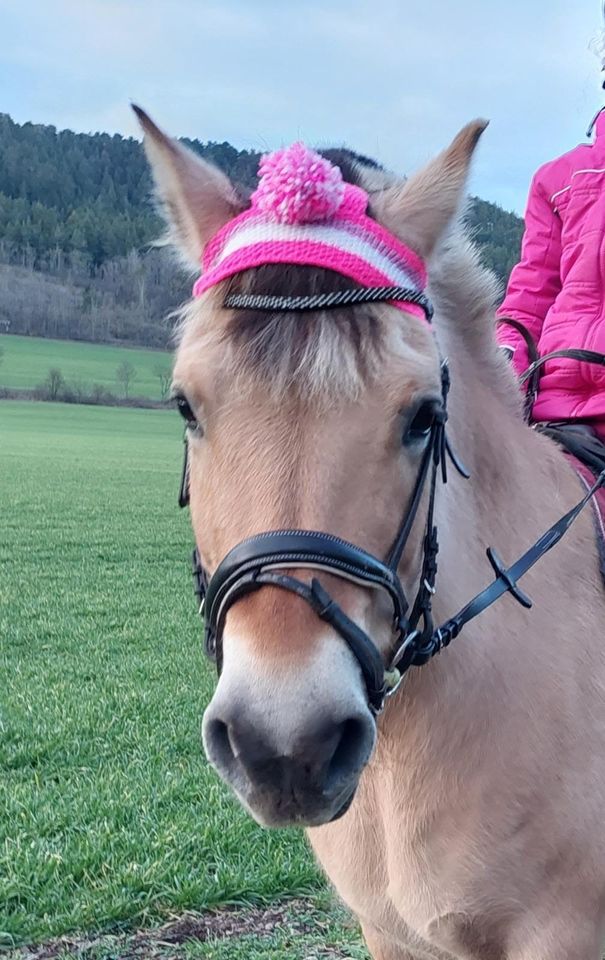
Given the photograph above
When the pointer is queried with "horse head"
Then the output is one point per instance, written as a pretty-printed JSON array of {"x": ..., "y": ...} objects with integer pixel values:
[{"x": 314, "y": 419}]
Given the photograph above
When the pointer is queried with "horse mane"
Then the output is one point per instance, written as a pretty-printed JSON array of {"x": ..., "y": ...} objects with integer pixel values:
[{"x": 464, "y": 290}]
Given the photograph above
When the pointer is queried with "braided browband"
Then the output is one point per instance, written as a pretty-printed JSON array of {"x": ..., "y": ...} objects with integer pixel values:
[{"x": 326, "y": 301}]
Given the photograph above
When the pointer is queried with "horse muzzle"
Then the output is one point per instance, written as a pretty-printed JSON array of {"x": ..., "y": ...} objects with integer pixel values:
[{"x": 300, "y": 765}]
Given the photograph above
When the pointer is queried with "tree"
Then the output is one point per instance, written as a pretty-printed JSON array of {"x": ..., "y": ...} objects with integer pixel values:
[
  {"x": 75, "y": 218},
  {"x": 164, "y": 375},
  {"x": 54, "y": 383},
  {"x": 125, "y": 374}
]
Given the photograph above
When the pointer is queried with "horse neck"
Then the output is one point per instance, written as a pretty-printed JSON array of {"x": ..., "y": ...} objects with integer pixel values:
[
  {"x": 518, "y": 477},
  {"x": 520, "y": 484},
  {"x": 459, "y": 706}
]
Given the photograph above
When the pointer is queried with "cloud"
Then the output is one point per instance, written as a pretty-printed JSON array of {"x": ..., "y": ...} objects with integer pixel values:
[{"x": 391, "y": 78}]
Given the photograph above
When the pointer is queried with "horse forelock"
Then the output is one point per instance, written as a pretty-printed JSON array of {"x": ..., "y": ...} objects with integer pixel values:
[{"x": 323, "y": 355}]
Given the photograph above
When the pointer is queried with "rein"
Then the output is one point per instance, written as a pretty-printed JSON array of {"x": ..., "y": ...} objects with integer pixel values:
[
  {"x": 263, "y": 560},
  {"x": 534, "y": 372}
]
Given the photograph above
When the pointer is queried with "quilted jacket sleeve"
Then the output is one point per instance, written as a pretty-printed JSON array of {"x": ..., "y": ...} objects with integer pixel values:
[{"x": 535, "y": 281}]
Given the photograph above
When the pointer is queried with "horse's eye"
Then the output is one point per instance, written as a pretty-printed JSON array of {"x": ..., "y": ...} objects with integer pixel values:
[
  {"x": 422, "y": 422},
  {"x": 184, "y": 408}
]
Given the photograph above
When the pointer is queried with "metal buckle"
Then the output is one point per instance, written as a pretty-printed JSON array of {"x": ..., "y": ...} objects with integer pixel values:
[{"x": 393, "y": 680}]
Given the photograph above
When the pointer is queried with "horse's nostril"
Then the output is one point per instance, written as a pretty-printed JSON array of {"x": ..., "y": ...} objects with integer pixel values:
[
  {"x": 350, "y": 754},
  {"x": 309, "y": 775},
  {"x": 219, "y": 741}
]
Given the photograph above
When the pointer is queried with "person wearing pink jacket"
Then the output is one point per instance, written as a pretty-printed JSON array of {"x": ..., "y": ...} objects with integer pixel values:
[{"x": 557, "y": 290}]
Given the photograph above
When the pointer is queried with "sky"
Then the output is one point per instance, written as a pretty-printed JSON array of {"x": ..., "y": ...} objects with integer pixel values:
[{"x": 394, "y": 79}]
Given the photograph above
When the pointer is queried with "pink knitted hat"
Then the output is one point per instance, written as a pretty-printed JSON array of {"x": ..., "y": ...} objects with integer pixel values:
[{"x": 303, "y": 212}]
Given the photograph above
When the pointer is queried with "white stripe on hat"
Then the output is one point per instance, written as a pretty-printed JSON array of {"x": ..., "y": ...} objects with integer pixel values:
[{"x": 337, "y": 237}]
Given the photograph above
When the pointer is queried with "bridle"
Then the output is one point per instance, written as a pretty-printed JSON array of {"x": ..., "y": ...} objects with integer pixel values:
[{"x": 263, "y": 560}]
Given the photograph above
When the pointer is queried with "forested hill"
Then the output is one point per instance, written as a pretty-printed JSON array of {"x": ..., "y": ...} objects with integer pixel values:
[{"x": 76, "y": 223}]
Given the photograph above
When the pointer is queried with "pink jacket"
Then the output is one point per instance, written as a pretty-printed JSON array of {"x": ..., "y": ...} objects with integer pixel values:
[{"x": 557, "y": 290}]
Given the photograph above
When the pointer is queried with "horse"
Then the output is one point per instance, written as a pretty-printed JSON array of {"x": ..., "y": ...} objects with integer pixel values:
[{"x": 462, "y": 816}]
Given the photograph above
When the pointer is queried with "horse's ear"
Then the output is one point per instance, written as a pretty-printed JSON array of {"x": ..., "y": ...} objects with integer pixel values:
[
  {"x": 197, "y": 199},
  {"x": 420, "y": 209}
]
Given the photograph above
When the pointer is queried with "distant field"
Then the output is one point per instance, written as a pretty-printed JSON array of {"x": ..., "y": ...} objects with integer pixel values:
[
  {"x": 26, "y": 362},
  {"x": 108, "y": 811}
]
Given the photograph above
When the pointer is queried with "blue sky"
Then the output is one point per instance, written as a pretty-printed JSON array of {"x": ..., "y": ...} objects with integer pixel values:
[{"x": 392, "y": 78}]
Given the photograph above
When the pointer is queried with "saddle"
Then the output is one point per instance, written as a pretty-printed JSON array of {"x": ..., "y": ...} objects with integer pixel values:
[
  {"x": 586, "y": 453},
  {"x": 579, "y": 442}
]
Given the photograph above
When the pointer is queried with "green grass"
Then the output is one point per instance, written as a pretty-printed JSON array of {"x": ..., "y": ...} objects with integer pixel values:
[
  {"x": 294, "y": 930},
  {"x": 26, "y": 361},
  {"x": 109, "y": 812},
  {"x": 301, "y": 935}
]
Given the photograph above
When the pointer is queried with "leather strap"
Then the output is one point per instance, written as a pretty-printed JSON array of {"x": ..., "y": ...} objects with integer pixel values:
[
  {"x": 506, "y": 578},
  {"x": 183, "y": 499},
  {"x": 262, "y": 560},
  {"x": 532, "y": 375},
  {"x": 364, "y": 651},
  {"x": 584, "y": 356},
  {"x": 532, "y": 349},
  {"x": 533, "y": 356}
]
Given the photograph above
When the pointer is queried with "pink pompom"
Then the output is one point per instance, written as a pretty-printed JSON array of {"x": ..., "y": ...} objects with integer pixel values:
[{"x": 298, "y": 185}]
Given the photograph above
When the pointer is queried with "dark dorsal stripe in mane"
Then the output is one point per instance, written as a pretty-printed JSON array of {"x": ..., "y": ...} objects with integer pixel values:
[
  {"x": 349, "y": 162},
  {"x": 280, "y": 342}
]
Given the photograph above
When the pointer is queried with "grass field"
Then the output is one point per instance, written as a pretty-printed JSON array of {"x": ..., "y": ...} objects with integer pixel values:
[
  {"x": 109, "y": 813},
  {"x": 26, "y": 361},
  {"x": 295, "y": 930}
]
